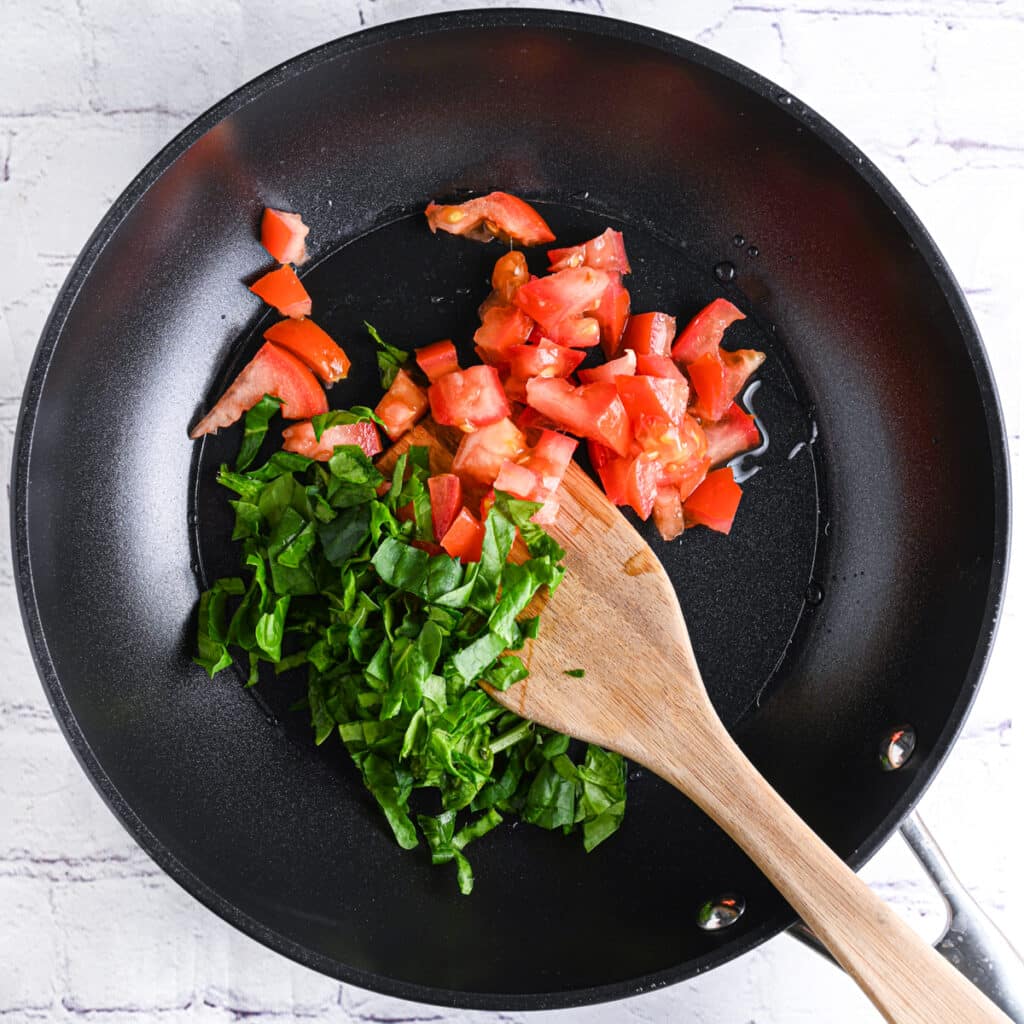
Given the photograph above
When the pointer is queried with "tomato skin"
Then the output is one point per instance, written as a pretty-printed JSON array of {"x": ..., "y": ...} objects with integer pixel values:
[
  {"x": 545, "y": 359},
  {"x": 714, "y": 502},
  {"x": 591, "y": 410},
  {"x": 469, "y": 399},
  {"x": 283, "y": 290},
  {"x": 606, "y": 252},
  {"x": 503, "y": 328},
  {"x": 735, "y": 432},
  {"x": 703, "y": 334},
  {"x": 658, "y": 366},
  {"x": 739, "y": 366},
  {"x": 301, "y": 438},
  {"x": 445, "y": 502},
  {"x": 313, "y": 345},
  {"x": 497, "y": 215},
  {"x": 283, "y": 235},
  {"x": 612, "y": 314},
  {"x": 718, "y": 377},
  {"x": 272, "y": 371},
  {"x": 480, "y": 455},
  {"x": 668, "y": 513},
  {"x": 577, "y": 332},
  {"x": 464, "y": 539},
  {"x": 623, "y": 366},
  {"x": 654, "y": 397},
  {"x": 557, "y": 297},
  {"x": 509, "y": 275},
  {"x": 402, "y": 405},
  {"x": 437, "y": 359},
  {"x": 649, "y": 334}
]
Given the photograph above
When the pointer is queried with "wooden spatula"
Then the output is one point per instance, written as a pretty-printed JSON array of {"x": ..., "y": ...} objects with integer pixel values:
[{"x": 643, "y": 696}]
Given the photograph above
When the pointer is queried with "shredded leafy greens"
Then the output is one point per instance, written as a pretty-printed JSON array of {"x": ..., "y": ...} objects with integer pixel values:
[{"x": 394, "y": 641}]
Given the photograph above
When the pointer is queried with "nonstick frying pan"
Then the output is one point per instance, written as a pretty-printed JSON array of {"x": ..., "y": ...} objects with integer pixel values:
[{"x": 857, "y": 594}]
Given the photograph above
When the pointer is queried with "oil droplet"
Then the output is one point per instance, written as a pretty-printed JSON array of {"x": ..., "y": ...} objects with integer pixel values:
[
  {"x": 785, "y": 99},
  {"x": 814, "y": 595},
  {"x": 196, "y": 569},
  {"x": 463, "y": 291},
  {"x": 192, "y": 519},
  {"x": 437, "y": 299},
  {"x": 725, "y": 271},
  {"x": 738, "y": 240},
  {"x": 753, "y": 251},
  {"x": 579, "y": 195}
]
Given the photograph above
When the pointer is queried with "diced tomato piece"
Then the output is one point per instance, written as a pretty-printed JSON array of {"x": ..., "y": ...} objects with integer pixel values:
[
  {"x": 283, "y": 290},
  {"x": 518, "y": 480},
  {"x": 714, "y": 502},
  {"x": 658, "y": 366},
  {"x": 600, "y": 454},
  {"x": 406, "y": 513},
  {"x": 469, "y": 399},
  {"x": 481, "y": 454},
  {"x": 438, "y": 359},
  {"x": 653, "y": 396},
  {"x": 509, "y": 274},
  {"x": 650, "y": 334},
  {"x": 402, "y": 405},
  {"x": 606, "y": 252},
  {"x": 283, "y": 235},
  {"x": 717, "y": 378},
  {"x": 735, "y": 432},
  {"x": 613, "y": 478},
  {"x": 592, "y": 410},
  {"x": 498, "y": 215},
  {"x": 465, "y": 537},
  {"x": 445, "y": 501},
  {"x": 503, "y": 327},
  {"x": 739, "y": 366},
  {"x": 612, "y": 314},
  {"x": 301, "y": 439},
  {"x": 668, "y": 513},
  {"x": 577, "y": 332},
  {"x": 557, "y": 297},
  {"x": 486, "y": 504},
  {"x": 426, "y": 545},
  {"x": 685, "y": 477},
  {"x": 313, "y": 345},
  {"x": 703, "y": 334},
  {"x": 674, "y": 443},
  {"x": 637, "y": 477},
  {"x": 624, "y": 366},
  {"x": 528, "y": 419},
  {"x": 272, "y": 371},
  {"x": 545, "y": 359},
  {"x": 550, "y": 458},
  {"x": 515, "y": 388}
]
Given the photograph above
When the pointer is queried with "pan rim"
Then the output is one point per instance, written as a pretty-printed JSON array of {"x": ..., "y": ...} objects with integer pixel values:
[{"x": 628, "y": 33}]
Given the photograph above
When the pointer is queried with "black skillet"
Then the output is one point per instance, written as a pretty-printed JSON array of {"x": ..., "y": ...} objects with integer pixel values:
[{"x": 858, "y": 591}]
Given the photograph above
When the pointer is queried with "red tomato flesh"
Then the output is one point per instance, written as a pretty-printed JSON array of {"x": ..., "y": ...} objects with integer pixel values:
[
  {"x": 469, "y": 399},
  {"x": 480, "y": 455},
  {"x": 577, "y": 332},
  {"x": 445, "y": 502},
  {"x": 313, "y": 345},
  {"x": 550, "y": 458},
  {"x": 301, "y": 439},
  {"x": 402, "y": 405},
  {"x": 557, "y": 297},
  {"x": 283, "y": 235},
  {"x": 658, "y": 366},
  {"x": 509, "y": 274},
  {"x": 283, "y": 290},
  {"x": 606, "y": 252},
  {"x": 272, "y": 371},
  {"x": 650, "y": 334},
  {"x": 624, "y": 366},
  {"x": 464, "y": 539},
  {"x": 612, "y": 314},
  {"x": 503, "y": 328},
  {"x": 714, "y": 502},
  {"x": 718, "y": 377},
  {"x": 592, "y": 410},
  {"x": 703, "y": 334},
  {"x": 735, "y": 432},
  {"x": 653, "y": 396},
  {"x": 545, "y": 359},
  {"x": 438, "y": 359},
  {"x": 674, "y": 442},
  {"x": 668, "y": 513},
  {"x": 497, "y": 215}
]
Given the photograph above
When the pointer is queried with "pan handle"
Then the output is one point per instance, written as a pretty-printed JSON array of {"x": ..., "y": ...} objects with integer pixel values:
[{"x": 971, "y": 942}]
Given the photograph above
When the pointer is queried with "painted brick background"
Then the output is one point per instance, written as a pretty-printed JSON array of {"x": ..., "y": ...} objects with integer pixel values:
[{"x": 90, "y": 930}]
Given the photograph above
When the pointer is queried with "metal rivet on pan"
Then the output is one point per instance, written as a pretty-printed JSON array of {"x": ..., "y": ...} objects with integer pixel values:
[
  {"x": 720, "y": 913},
  {"x": 897, "y": 748}
]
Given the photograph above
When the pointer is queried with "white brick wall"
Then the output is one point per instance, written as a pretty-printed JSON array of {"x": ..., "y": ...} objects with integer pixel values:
[{"x": 89, "y": 927}]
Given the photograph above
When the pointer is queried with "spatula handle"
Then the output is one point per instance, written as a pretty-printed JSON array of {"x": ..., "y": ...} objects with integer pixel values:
[{"x": 899, "y": 972}]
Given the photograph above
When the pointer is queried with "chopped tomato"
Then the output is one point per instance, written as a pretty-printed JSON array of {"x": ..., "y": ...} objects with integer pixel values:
[
  {"x": 550, "y": 458},
  {"x": 668, "y": 513},
  {"x": 703, "y": 333},
  {"x": 283, "y": 235},
  {"x": 624, "y": 366},
  {"x": 272, "y": 371},
  {"x": 465, "y": 537},
  {"x": 528, "y": 419},
  {"x": 426, "y": 545},
  {"x": 557, "y": 297},
  {"x": 714, "y": 502},
  {"x": 545, "y": 359},
  {"x": 685, "y": 477},
  {"x": 612, "y": 314},
  {"x": 498, "y": 215},
  {"x": 735, "y": 432},
  {"x": 502, "y": 328},
  {"x": 637, "y": 477},
  {"x": 577, "y": 332},
  {"x": 515, "y": 388},
  {"x": 517, "y": 480},
  {"x": 402, "y": 405},
  {"x": 283, "y": 290},
  {"x": 486, "y": 504},
  {"x": 592, "y": 410},
  {"x": 438, "y": 359},
  {"x": 606, "y": 252},
  {"x": 469, "y": 399},
  {"x": 612, "y": 474},
  {"x": 675, "y": 443},
  {"x": 658, "y": 366},
  {"x": 739, "y": 366},
  {"x": 717, "y": 378},
  {"x": 510, "y": 272},
  {"x": 313, "y": 345},
  {"x": 445, "y": 501},
  {"x": 650, "y": 334},
  {"x": 653, "y": 396},
  {"x": 301, "y": 438},
  {"x": 481, "y": 454}
]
